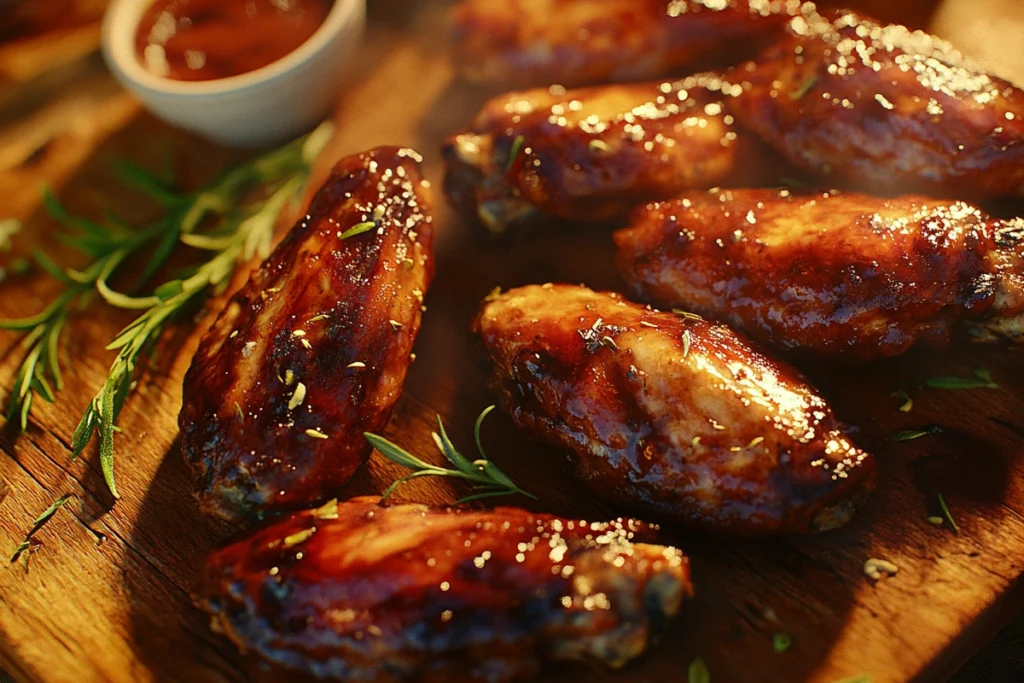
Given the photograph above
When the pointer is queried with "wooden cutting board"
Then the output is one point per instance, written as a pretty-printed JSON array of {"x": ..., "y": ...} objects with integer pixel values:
[{"x": 120, "y": 611}]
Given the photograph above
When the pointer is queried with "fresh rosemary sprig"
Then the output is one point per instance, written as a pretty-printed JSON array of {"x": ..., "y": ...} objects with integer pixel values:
[
  {"x": 982, "y": 380},
  {"x": 487, "y": 480},
  {"x": 213, "y": 219}
]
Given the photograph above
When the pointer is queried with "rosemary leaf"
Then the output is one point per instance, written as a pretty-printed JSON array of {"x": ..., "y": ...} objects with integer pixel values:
[
  {"x": 698, "y": 672},
  {"x": 982, "y": 380},
  {"x": 911, "y": 434},
  {"x": 513, "y": 152},
  {"x": 484, "y": 476},
  {"x": 947, "y": 515},
  {"x": 804, "y": 88},
  {"x": 907, "y": 403},
  {"x": 40, "y": 522}
]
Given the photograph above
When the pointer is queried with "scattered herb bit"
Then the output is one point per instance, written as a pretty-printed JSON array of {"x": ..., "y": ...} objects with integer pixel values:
[
  {"x": 982, "y": 380},
  {"x": 358, "y": 229},
  {"x": 9, "y": 227},
  {"x": 485, "y": 477},
  {"x": 859, "y": 678},
  {"x": 947, "y": 515},
  {"x": 328, "y": 510},
  {"x": 598, "y": 146},
  {"x": 298, "y": 396},
  {"x": 781, "y": 642},
  {"x": 316, "y": 434},
  {"x": 513, "y": 152},
  {"x": 686, "y": 314},
  {"x": 41, "y": 520},
  {"x": 936, "y": 521},
  {"x": 698, "y": 672},
  {"x": 756, "y": 440},
  {"x": 874, "y": 568},
  {"x": 804, "y": 88},
  {"x": 304, "y": 535},
  {"x": 911, "y": 434},
  {"x": 907, "y": 403}
]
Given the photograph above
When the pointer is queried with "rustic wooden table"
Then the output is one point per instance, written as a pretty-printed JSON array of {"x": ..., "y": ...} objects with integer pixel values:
[{"x": 120, "y": 611}]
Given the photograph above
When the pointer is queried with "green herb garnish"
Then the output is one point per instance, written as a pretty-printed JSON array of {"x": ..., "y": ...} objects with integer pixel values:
[
  {"x": 40, "y": 522},
  {"x": 358, "y": 229},
  {"x": 982, "y": 380},
  {"x": 513, "y": 152},
  {"x": 859, "y": 678},
  {"x": 215, "y": 219},
  {"x": 781, "y": 642},
  {"x": 804, "y": 88},
  {"x": 598, "y": 146},
  {"x": 485, "y": 477},
  {"x": 947, "y": 515},
  {"x": 911, "y": 434},
  {"x": 698, "y": 672}
]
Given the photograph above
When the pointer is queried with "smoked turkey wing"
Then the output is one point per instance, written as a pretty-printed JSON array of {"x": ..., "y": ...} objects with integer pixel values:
[
  {"x": 885, "y": 108},
  {"x": 594, "y": 153},
  {"x": 841, "y": 275},
  {"x": 669, "y": 415},
  {"x": 574, "y": 42},
  {"x": 313, "y": 350},
  {"x": 355, "y": 591}
]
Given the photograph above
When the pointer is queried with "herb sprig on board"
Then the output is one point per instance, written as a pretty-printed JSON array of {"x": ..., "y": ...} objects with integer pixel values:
[
  {"x": 216, "y": 219},
  {"x": 487, "y": 480}
]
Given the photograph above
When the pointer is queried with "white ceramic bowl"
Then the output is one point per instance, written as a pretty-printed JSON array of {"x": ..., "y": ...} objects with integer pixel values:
[{"x": 262, "y": 107}]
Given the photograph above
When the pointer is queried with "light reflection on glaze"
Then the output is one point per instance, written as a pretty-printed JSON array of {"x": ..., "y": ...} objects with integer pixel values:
[
  {"x": 575, "y": 42},
  {"x": 592, "y": 154},
  {"x": 394, "y": 593},
  {"x": 677, "y": 418},
  {"x": 885, "y": 108},
  {"x": 837, "y": 274}
]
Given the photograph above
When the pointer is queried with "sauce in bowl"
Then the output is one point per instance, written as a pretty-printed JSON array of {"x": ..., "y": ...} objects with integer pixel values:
[{"x": 203, "y": 40}]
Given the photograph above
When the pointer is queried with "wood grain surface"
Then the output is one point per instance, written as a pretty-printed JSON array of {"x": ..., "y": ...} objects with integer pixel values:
[{"x": 120, "y": 610}]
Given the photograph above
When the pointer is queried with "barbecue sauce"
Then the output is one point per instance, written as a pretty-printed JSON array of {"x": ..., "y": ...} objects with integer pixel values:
[{"x": 202, "y": 40}]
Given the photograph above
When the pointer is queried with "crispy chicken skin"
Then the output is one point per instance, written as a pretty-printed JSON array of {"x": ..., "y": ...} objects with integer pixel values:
[
  {"x": 842, "y": 275},
  {"x": 670, "y": 415},
  {"x": 358, "y": 592},
  {"x": 885, "y": 108},
  {"x": 313, "y": 350},
  {"x": 574, "y": 42},
  {"x": 594, "y": 153}
]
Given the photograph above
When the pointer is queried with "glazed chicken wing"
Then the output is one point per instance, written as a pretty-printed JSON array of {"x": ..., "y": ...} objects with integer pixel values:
[
  {"x": 313, "y": 350},
  {"x": 358, "y": 592},
  {"x": 573, "y": 42},
  {"x": 837, "y": 274},
  {"x": 670, "y": 415},
  {"x": 885, "y": 108},
  {"x": 594, "y": 153}
]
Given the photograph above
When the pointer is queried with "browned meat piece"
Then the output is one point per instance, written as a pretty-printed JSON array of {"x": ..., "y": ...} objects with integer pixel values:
[
  {"x": 839, "y": 275},
  {"x": 313, "y": 350},
  {"x": 885, "y": 108},
  {"x": 358, "y": 592},
  {"x": 592, "y": 154},
  {"x": 573, "y": 42},
  {"x": 670, "y": 415}
]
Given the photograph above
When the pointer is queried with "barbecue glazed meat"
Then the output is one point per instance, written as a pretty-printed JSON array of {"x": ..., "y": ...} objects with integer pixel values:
[
  {"x": 574, "y": 42},
  {"x": 670, "y": 415},
  {"x": 594, "y": 153},
  {"x": 837, "y": 274},
  {"x": 358, "y": 592},
  {"x": 885, "y": 108},
  {"x": 313, "y": 350}
]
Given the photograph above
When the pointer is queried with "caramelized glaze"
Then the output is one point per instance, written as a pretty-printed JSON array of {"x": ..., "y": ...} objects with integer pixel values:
[
  {"x": 358, "y": 592},
  {"x": 885, "y": 108},
  {"x": 842, "y": 275},
  {"x": 594, "y": 153},
  {"x": 573, "y": 42},
  {"x": 670, "y": 415},
  {"x": 313, "y": 350}
]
